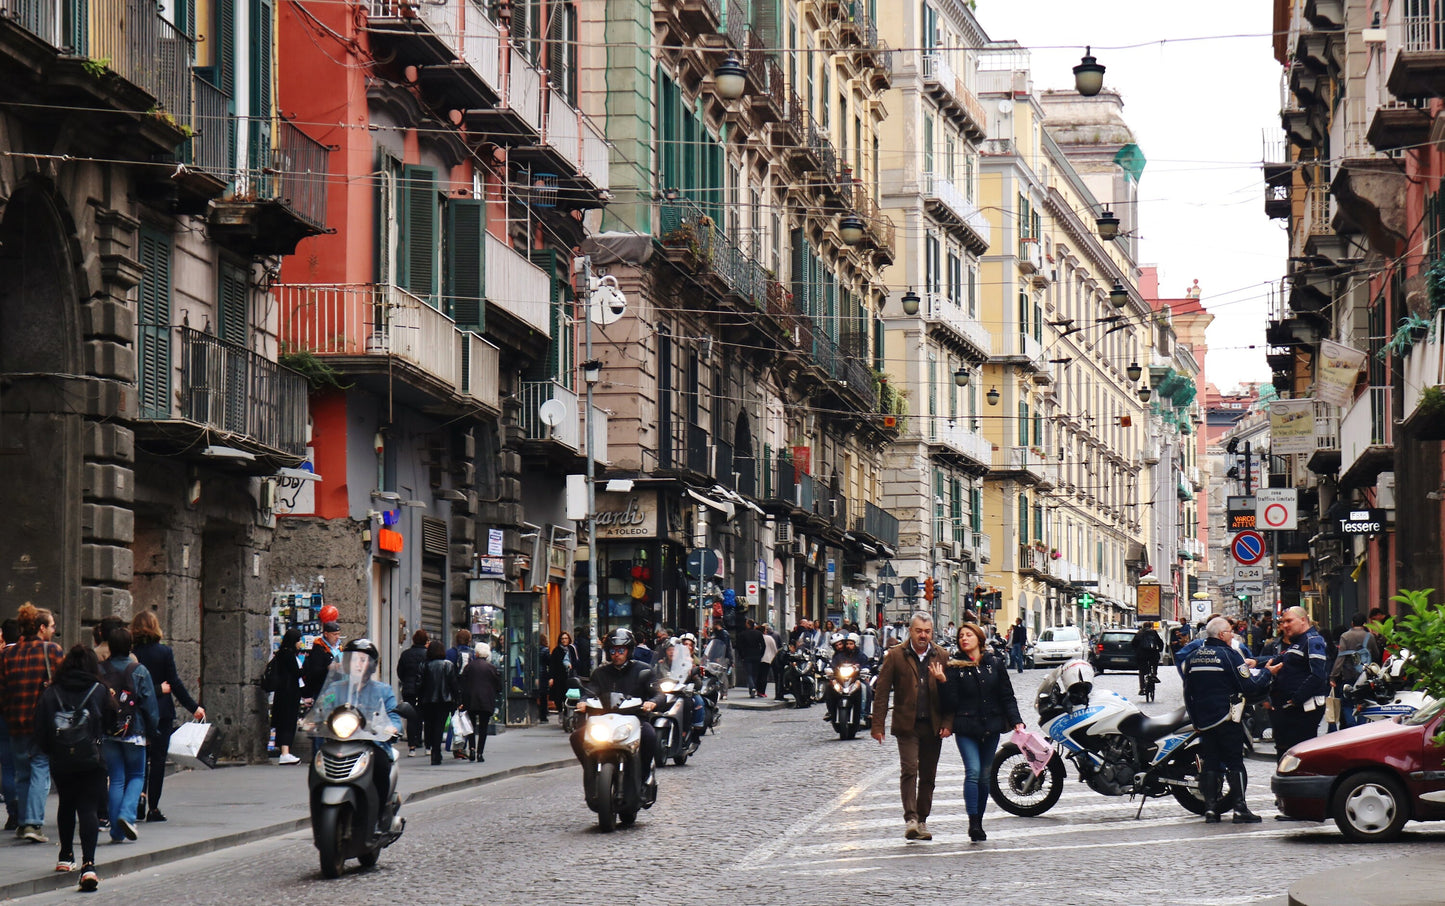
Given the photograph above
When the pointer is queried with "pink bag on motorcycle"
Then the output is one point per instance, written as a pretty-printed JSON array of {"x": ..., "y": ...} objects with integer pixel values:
[{"x": 1036, "y": 748}]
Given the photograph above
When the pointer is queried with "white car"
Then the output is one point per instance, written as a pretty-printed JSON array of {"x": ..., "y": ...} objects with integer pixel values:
[{"x": 1059, "y": 644}]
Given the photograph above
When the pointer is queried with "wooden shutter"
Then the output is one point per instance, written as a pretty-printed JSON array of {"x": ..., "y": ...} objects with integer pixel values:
[
  {"x": 417, "y": 248},
  {"x": 224, "y": 59},
  {"x": 466, "y": 261},
  {"x": 261, "y": 25},
  {"x": 154, "y": 324},
  {"x": 234, "y": 327}
]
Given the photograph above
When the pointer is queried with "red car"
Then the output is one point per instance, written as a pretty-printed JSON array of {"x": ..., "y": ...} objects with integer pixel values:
[{"x": 1371, "y": 779}]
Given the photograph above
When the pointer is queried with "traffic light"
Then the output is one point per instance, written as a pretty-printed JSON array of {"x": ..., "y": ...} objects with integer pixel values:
[
  {"x": 1244, "y": 599},
  {"x": 1086, "y": 600},
  {"x": 928, "y": 589}
]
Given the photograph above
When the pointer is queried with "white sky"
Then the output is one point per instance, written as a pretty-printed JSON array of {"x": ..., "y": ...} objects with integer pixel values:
[{"x": 1198, "y": 110}]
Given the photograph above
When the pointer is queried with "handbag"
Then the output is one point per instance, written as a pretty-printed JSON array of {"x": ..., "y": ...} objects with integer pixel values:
[
  {"x": 189, "y": 744},
  {"x": 1236, "y": 708},
  {"x": 1332, "y": 710},
  {"x": 462, "y": 723}
]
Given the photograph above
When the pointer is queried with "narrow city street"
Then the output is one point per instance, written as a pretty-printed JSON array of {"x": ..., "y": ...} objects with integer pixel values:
[{"x": 775, "y": 809}]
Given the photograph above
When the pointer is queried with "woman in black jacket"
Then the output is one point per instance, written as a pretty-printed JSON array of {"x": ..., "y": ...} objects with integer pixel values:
[
  {"x": 480, "y": 682},
  {"x": 978, "y": 693},
  {"x": 82, "y": 787},
  {"x": 145, "y": 629},
  {"x": 562, "y": 667},
  {"x": 437, "y": 694},
  {"x": 286, "y": 702}
]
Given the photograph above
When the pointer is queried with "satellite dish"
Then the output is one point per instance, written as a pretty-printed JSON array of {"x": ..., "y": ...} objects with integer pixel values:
[
  {"x": 1005, "y": 106},
  {"x": 552, "y": 412}
]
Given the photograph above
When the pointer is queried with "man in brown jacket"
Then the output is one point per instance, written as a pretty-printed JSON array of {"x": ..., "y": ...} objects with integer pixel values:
[{"x": 913, "y": 672}]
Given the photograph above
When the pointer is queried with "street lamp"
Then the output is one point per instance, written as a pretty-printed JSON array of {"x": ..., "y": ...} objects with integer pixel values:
[
  {"x": 992, "y": 396},
  {"x": 1108, "y": 225},
  {"x": 961, "y": 376},
  {"x": 910, "y": 302},
  {"x": 1088, "y": 75},
  {"x": 850, "y": 228},
  {"x": 1118, "y": 296},
  {"x": 1144, "y": 394},
  {"x": 729, "y": 79},
  {"x": 1133, "y": 372}
]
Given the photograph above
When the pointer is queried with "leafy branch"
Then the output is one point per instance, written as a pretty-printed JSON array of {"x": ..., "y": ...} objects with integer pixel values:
[{"x": 1422, "y": 632}]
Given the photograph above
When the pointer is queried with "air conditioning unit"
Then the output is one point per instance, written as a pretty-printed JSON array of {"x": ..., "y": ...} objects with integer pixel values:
[
  {"x": 783, "y": 532},
  {"x": 798, "y": 548}
]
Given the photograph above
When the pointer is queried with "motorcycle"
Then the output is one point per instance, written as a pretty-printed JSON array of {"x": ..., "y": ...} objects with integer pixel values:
[
  {"x": 1383, "y": 692},
  {"x": 821, "y": 660},
  {"x": 799, "y": 680},
  {"x": 713, "y": 690},
  {"x": 617, "y": 780},
  {"x": 353, "y": 777},
  {"x": 1116, "y": 749},
  {"x": 677, "y": 738},
  {"x": 568, "y": 718},
  {"x": 853, "y": 687}
]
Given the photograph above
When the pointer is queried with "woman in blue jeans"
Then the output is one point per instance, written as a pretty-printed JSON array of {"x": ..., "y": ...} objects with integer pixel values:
[
  {"x": 125, "y": 754},
  {"x": 978, "y": 693}
]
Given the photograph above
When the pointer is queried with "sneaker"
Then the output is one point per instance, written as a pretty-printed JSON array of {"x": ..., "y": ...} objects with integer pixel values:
[
  {"x": 923, "y": 833},
  {"x": 32, "y": 833},
  {"x": 410, "y": 752},
  {"x": 104, "y": 824},
  {"x": 66, "y": 863},
  {"x": 12, "y": 823},
  {"x": 155, "y": 817},
  {"x": 288, "y": 758},
  {"x": 126, "y": 828},
  {"x": 89, "y": 880},
  {"x": 911, "y": 830}
]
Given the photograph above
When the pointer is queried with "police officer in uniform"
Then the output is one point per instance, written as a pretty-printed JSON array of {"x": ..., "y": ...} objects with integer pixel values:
[
  {"x": 1214, "y": 676},
  {"x": 1300, "y": 682}
]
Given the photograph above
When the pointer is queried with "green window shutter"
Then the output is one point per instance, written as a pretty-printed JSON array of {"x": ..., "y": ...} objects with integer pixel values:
[
  {"x": 417, "y": 249},
  {"x": 465, "y": 274},
  {"x": 154, "y": 324},
  {"x": 224, "y": 53},
  {"x": 1023, "y": 519},
  {"x": 878, "y": 344},
  {"x": 261, "y": 26},
  {"x": 230, "y": 396},
  {"x": 976, "y": 508},
  {"x": 233, "y": 324},
  {"x": 1023, "y": 423},
  {"x": 1038, "y": 522}
]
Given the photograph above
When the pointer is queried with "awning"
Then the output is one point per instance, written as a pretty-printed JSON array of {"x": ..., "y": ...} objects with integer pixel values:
[
  {"x": 718, "y": 491},
  {"x": 298, "y": 474},
  {"x": 722, "y": 506}
]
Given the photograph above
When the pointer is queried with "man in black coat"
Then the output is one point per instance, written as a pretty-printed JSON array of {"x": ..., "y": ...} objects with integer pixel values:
[
  {"x": 1147, "y": 647},
  {"x": 409, "y": 668},
  {"x": 750, "y": 652}
]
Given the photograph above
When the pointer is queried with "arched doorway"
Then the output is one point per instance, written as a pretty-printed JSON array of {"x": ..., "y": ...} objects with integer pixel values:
[{"x": 42, "y": 396}]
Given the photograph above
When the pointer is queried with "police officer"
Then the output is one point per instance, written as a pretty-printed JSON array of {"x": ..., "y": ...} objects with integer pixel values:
[
  {"x": 1214, "y": 676},
  {"x": 1300, "y": 682}
]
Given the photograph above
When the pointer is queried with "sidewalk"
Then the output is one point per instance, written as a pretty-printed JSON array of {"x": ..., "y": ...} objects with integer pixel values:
[
  {"x": 230, "y": 806},
  {"x": 1412, "y": 881}
]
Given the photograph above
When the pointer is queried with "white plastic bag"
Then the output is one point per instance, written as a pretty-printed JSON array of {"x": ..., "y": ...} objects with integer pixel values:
[
  {"x": 188, "y": 745},
  {"x": 462, "y": 723}
]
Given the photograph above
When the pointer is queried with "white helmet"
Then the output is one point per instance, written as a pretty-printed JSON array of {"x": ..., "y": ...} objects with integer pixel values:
[
  {"x": 1076, "y": 679},
  {"x": 837, "y": 639},
  {"x": 854, "y": 637},
  {"x": 1398, "y": 663}
]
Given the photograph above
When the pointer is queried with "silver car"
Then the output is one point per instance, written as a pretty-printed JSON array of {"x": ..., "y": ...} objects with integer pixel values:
[{"x": 1059, "y": 644}]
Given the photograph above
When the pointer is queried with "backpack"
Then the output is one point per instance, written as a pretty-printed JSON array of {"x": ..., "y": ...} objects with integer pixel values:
[
  {"x": 122, "y": 689},
  {"x": 271, "y": 676},
  {"x": 1352, "y": 663},
  {"x": 75, "y": 746}
]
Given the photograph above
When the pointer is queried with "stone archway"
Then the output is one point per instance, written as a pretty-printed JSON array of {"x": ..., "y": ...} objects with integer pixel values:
[{"x": 43, "y": 398}]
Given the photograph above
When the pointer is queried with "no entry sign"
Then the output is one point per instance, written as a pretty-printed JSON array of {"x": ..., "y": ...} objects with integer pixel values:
[{"x": 1247, "y": 548}]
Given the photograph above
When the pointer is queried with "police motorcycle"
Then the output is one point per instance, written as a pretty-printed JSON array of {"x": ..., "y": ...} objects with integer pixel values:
[
  {"x": 871, "y": 648},
  {"x": 1383, "y": 691},
  {"x": 799, "y": 677},
  {"x": 1115, "y": 748},
  {"x": 821, "y": 659},
  {"x": 353, "y": 777},
  {"x": 677, "y": 738}
]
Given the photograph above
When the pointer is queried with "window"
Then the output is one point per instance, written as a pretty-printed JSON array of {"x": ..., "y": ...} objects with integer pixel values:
[
  {"x": 153, "y": 322},
  {"x": 1023, "y": 518}
]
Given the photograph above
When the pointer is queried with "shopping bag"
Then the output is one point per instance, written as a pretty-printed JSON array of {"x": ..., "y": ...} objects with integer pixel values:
[
  {"x": 190, "y": 744},
  {"x": 461, "y": 723},
  {"x": 1332, "y": 710},
  {"x": 1036, "y": 748}
]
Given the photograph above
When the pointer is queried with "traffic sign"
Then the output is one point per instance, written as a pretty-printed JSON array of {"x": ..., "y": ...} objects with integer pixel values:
[
  {"x": 1247, "y": 548},
  {"x": 1249, "y": 574},
  {"x": 1201, "y": 609},
  {"x": 1277, "y": 509},
  {"x": 1249, "y": 588},
  {"x": 702, "y": 562},
  {"x": 885, "y": 593},
  {"x": 910, "y": 587}
]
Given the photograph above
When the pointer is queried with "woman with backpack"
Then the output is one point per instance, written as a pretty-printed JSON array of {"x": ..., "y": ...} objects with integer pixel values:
[
  {"x": 437, "y": 694},
  {"x": 145, "y": 632},
  {"x": 74, "y": 713},
  {"x": 283, "y": 678},
  {"x": 137, "y": 716}
]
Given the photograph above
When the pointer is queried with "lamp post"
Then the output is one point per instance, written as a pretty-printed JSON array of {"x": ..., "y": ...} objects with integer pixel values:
[
  {"x": 1134, "y": 372},
  {"x": 850, "y": 229},
  {"x": 730, "y": 79},
  {"x": 910, "y": 302},
  {"x": 1108, "y": 225},
  {"x": 1118, "y": 296},
  {"x": 961, "y": 376},
  {"x": 992, "y": 396}
]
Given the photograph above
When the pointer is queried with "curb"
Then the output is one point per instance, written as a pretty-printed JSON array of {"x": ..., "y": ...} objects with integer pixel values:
[{"x": 128, "y": 864}]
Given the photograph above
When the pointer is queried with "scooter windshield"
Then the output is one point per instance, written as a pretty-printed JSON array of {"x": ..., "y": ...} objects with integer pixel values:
[
  {"x": 868, "y": 646},
  {"x": 716, "y": 652},
  {"x": 673, "y": 663},
  {"x": 351, "y": 705}
]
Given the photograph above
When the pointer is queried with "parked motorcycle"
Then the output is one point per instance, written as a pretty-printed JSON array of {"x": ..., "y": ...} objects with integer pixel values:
[
  {"x": 1115, "y": 748},
  {"x": 1384, "y": 691},
  {"x": 821, "y": 660},
  {"x": 617, "y": 779},
  {"x": 569, "y": 718},
  {"x": 676, "y": 736},
  {"x": 353, "y": 777},
  {"x": 799, "y": 680},
  {"x": 853, "y": 687}
]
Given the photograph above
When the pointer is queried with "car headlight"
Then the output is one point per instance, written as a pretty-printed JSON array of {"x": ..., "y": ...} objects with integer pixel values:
[
  {"x": 1288, "y": 764},
  {"x": 597, "y": 731},
  {"x": 344, "y": 722}
]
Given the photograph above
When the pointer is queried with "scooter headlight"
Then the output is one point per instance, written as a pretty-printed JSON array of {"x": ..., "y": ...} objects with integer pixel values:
[
  {"x": 344, "y": 722},
  {"x": 669, "y": 686},
  {"x": 847, "y": 672},
  {"x": 599, "y": 732}
]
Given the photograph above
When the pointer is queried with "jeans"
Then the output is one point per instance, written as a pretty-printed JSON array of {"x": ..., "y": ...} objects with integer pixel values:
[
  {"x": 753, "y": 670},
  {"x": 126, "y": 763},
  {"x": 7, "y": 774},
  {"x": 1018, "y": 655},
  {"x": 32, "y": 779},
  {"x": 977, "y": 757}
]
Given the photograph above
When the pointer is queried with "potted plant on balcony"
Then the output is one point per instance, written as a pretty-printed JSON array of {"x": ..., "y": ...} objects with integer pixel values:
[
  {"x": 318, "y": 374},
  {"x": 1428, "y": 420},
  {"x": 1413, "y": 328},
  {"x": 1054, "y": 553}
]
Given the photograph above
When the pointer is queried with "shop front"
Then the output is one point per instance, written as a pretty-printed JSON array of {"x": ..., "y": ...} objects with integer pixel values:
[{"x": 641, "y": 566}]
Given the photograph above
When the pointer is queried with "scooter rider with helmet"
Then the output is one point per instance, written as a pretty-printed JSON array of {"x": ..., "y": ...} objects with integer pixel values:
[
  {"x": 843, "y": 653},
  {"x": 354, "y": 684},
  {"x": 620, "y": 674}
]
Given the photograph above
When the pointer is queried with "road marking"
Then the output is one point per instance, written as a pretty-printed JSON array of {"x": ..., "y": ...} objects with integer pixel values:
[{"x": 808, "y": 822}]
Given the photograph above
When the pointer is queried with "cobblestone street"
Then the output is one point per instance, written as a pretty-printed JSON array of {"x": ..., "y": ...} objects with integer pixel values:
[{"x": 775, "y": 809}]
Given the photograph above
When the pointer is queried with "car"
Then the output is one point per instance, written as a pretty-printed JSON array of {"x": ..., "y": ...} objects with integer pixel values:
[
  {"x": 1059, "y": 645},
  {"x": 1370, "y": 779},
  {"x": 1114, "y": 648}
]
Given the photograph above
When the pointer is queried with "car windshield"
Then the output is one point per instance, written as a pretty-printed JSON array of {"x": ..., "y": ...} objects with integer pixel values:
[
  {"x": 1118, "y": 637},
  {"x": 1426, "y": 714},
  {"x": 1062, "y": 634}
]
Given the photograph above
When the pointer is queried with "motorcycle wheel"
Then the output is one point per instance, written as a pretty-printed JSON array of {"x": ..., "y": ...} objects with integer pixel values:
[
  {"x": 1016, "y": 790},
  {"x": 680, "y": 759},
  {"x": 605, "y": 790},
  {"x": 331, "y": 823},
  {"x": 849, "y": 732},
  {"x": 626, "y": 819},
  {"x": 1190, "y": 798}
]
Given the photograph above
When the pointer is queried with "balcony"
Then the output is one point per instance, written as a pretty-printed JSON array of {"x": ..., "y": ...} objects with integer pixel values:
[
  {"x": 947, "y": 204},
  {"x": 1014, "y": 348},
  {"x": 780, "y": 481},
  {"x": 228, "y": 396},
  {"x": 1418, "y": 69},
  {"x": 279, "y": 196},
  {"x": 1396, "y": 126},
  {"x": 516, "y": 117},
  {"x": 1033, "y": 561},
  {"x": 518, "y": 287},
  {"x": 947, "y": 319},
  {"x": 689, "y": 17},
  {"x": 1366, "y": 438},
  {"x": 982, "y": 547},
  {"x": 456, "y": 47},
  {"x": 569, "y": 146},
  {"x": 567, "y": 432},
  {"x": 953, "y": 97},
  {"x": 879, "y": 524},
  {"x": 1425, "y": 374},
  {"x": 952, "y": 440},
  {"x": 693, "y": 240},
  {"x": 376, "y": 332},
  {"x": 1026, "y": 464},
  {"x": 1325, "y": 460},
  {"x": 1031, "y": 256},
  {"x": 685, "y": 447}
]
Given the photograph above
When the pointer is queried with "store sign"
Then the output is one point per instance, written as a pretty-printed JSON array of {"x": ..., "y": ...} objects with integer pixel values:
[
  {"x": 1363, "y": 522},
  {"x": 1147, "y": 598},
  {"x": 627, "y": 515}
]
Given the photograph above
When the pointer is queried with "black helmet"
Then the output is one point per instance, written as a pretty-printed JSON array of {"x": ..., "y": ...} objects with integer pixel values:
[
  {"x": 364, "y": 645},
  {"x": 620, "y": 638}
]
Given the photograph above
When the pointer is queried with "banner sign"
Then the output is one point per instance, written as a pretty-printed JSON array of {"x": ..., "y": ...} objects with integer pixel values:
[
  {"x": 1363, "y": 522},
  {"x": 1148, "y": 601},
  {"x": 1291, "y": 426},
  {"x": 1336, "y": 371}
]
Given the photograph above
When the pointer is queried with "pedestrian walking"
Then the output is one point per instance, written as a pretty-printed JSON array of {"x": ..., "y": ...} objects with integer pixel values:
[
  {"x": 438, "y": 694},
  {"x": 750, "y": 647},
  {"x": 286, "y": 696},
  {"x": 324, "y": 652},
  {"x": 1018, "y": 639},
  {"x": 1354, "y": 654},
  {"x": 1216, "y": 683},
  {"x": 912, "y": 672},
  {"x": 562, "y": 669},
  {"x": 26, "y": 668},
  {"x": 409, "y": 668},
  {"x": 160, "y": 660},
  {"x": 978, "y": 693},
  {"x": 1297, "y": 693},
  {"x": 770, "y": 654},
  {"x": 9, "y": 635},
  {"x": 138, "y": 716},
  {"x": 479, "y": 684},
  {"x": 77, "y": 764}
]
